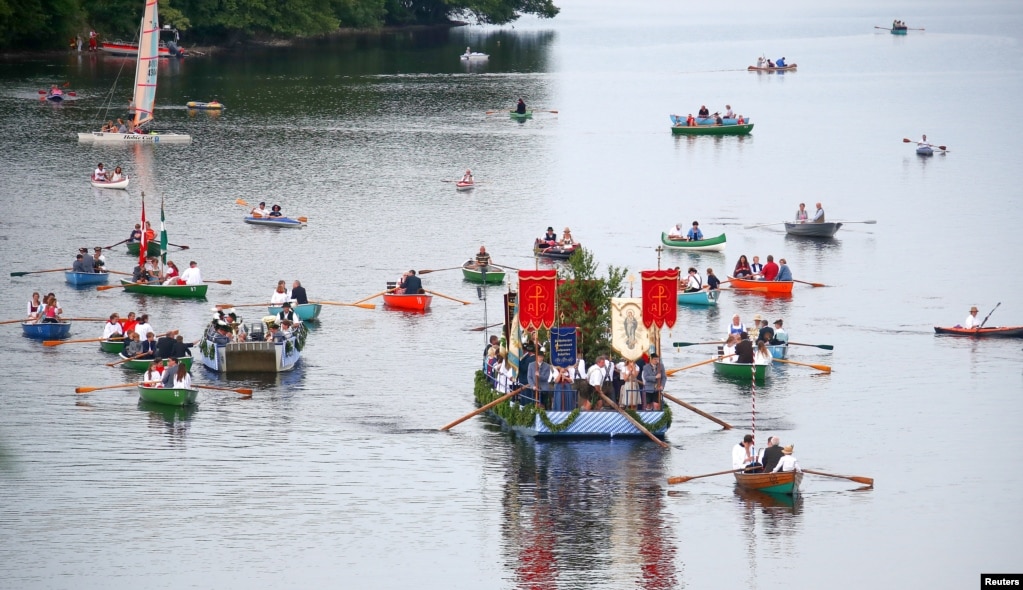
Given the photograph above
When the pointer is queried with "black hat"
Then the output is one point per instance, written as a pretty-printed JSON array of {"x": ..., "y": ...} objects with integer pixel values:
[{"x": 286, "y": 304}]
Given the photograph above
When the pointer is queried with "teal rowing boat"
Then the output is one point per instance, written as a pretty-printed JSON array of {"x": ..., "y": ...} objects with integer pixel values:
[
  {"x": 304, "y": 311},
  {"x": 489, "y": 275},
  {"x": 712, "y": 129},
  {"x": 181, "y": 291},
  {"x": 715, "y": 244},
  {"x": 703, "y": 297},
  {"x": 168, "y": 396},
  {"x": 742, "y": 371}
]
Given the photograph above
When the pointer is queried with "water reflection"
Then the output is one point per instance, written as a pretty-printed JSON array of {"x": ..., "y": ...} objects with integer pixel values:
[
  {"x": 173, "y": 421},
  {"x": 814, "y": 246},
  {"x": 586, "y": 510}
]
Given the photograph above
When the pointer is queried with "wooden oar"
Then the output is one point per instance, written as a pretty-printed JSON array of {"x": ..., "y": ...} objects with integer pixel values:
[
  {"x": 178, "y": 246},
  {"x": 35, "y": 272},
  {"x": 824, "y": 368},
  {"x": 241, "y": 202},
  {"x": 21, "y": 321},
  {"x": 117, "y": 272},
  {"x": 682, "y": 344},
  {"x": 118, "y": 386},
  {"x": 447, "y": 297},
  {"x": 868, "y": 222},
  {"x": 634, "y": 422},
  {"x": 671, "y": 372},
  {"x": 374, "y": 296},
  {"x": 117, "y": 244},
  {"x": 824, "y": 346},
  {"x": 908, "y": 140},
  {"x": 429, "y": 270},
  {"x": 238, "y": 390},
  {"x": 683, "y": 479},
  {"x": 764, "y": 225},
  {"x": 724, "y": 424},
  {"x": 220, "y": 282},
  {"x": 481, "y": 328},
  {"x": 59, "y": 342},
  {"x": 221, "y": 306},
  {"x": 87, "y": 319},
  {"x": 809, "y": 283},
  {"x": 105, "y": 287},
  {"x": 864, "y": 480},
  {"x": 131, "y": 358},
  {"x": 482, "y": 409},
  {"x": 363, "y": 306}
]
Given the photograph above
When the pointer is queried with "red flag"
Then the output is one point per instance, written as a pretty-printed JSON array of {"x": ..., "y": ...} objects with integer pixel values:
[
  {"x": 145, "y": 243},
  {"x": 660, "y": 297},
  {"x": 537, "y": 289}
]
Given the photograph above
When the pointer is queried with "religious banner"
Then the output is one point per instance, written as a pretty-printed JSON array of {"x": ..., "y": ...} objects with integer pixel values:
[
  {"x": 628, "y": 335},
  {"x": 537, "y": 290},
  {"x": 563, "y": 346},
  {"x": 660, "y": 297}
]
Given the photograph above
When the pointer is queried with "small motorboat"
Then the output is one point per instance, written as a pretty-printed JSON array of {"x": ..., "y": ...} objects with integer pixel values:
[
  {"x": 207, "y": 106},
  {"x": 275, "y": 221},
  {"x": 467, "y": 185},
  {"x": 826, "y": 229},
  {"x": 115, "y": 184}
]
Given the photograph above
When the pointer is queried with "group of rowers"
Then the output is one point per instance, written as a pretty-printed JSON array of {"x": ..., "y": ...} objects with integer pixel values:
[
  {"x": 740, "y": 346},
  {"x": 763, "y": 62},
  {"x": 141, "y": 340},
  {"x": 89, "y": 263},
  {"x": 227, "y": 327},
  {"x": 102, "y": 175},
  {"x": 772, "y": 271},
  {"x": 260, "y": 211},
  {"x": 45, "y": 310},
  {"x": 151, "y": 273},
  {"x": 551, "y": 240},
  {"x": 704, "y": 113}
]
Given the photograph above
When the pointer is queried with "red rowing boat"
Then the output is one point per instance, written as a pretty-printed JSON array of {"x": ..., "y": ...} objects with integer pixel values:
[
  {"x": 1006, "y": 332},
  {"x": 765, "y": 286},
  {"x": 410, "y": 302}
]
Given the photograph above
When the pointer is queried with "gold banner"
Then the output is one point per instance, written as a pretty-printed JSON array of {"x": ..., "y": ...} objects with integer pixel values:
[{"x": 628, "y": 335}]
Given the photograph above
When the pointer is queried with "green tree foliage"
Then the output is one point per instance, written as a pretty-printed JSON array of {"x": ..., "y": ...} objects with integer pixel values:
[
  {"x": 584, "y": 300},
  {"x": 36, "y": 24}
]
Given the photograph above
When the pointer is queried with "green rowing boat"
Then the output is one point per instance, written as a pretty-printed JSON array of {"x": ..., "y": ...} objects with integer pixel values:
[
  {"x": 183, "y": 291},
  {"x": 142, "y": 365},
  {"x": 712, "y": 129},
  {"x": 490, "y": 275},
  {"x": 168, "y": 396},
  {"x": 742, "y": 371},
  {"x": 152, "y": 248},
  {"x": 521, "y": 116},
  {"x": 715, "y": 244},
  {"x": 114, "y": 346}
]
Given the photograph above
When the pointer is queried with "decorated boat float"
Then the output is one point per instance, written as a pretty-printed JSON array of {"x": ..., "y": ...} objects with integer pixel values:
[{"x": 253, "y": 355}]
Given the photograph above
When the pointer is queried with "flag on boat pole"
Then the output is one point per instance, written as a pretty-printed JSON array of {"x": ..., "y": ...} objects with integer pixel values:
[
  {"x": 163, "y": 236},
  {"x": 144, "y": 244}
]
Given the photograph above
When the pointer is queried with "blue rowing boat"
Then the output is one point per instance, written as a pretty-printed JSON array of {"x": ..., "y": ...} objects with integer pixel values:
[
  {"x": 275, "y": 221},
  {"x": 699, "y": 298},
  {"x": 47, "y": 331},
  {"x": 86, "y": 278}
]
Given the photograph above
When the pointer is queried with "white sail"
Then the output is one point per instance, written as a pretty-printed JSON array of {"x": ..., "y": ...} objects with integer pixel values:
[{"x": 146, "y": 64}]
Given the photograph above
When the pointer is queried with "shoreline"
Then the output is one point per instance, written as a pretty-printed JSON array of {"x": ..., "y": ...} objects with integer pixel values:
[{"x": 238, "y": 46}]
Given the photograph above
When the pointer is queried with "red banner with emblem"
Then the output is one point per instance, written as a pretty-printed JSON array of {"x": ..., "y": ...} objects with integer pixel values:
[
  {"x": 537, "y": 290},
  {"x": 660, "y": 297}
]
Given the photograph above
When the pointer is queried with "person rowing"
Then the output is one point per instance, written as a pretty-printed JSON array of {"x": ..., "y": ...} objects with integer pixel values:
[
  {"x": 259, "y": 211},
  {"x": 520, "y": 107}
]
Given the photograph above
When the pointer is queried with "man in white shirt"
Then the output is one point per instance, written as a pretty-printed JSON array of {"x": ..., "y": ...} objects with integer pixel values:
[
  {"x": 260, "y": 212},
  {"x": 742, "y": 453},
  {"x": 112, "y": 327},
  {"x": 971, "y": 320},
  {"x": 99, "y": 174},
  {"x": 142, "y": 328},
  {"x": 191, "y": 275}
]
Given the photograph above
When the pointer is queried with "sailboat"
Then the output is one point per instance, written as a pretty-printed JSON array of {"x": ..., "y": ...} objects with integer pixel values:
[{"x": 145, "y": 89}]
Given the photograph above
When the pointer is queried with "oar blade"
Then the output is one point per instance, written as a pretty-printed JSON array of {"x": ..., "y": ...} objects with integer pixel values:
[{"x": 52, "y": 342}]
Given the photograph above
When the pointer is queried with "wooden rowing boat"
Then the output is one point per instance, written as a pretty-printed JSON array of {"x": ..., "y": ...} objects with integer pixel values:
[
  {"x": 46, "y": 330},
  {"x": 773, "y": 287},
  {"x": 180, "y": 291},
  {"x": 742, "y": 371},
  {"x": 993, "y": 332},
  {"x": 274, "y": 221},
  {"x": 304, "y": 311},
  {"x": 419, "y": 302},
  {"x": 142, "y": 365},
  {"x": 152, "y": 248},
  {"x": 556, "y": 252},
  {"x": 168, "y": 396},
  {"x": 703, "y": 297},
  {"x": 79, "y": 279},
  {"x": 464, "y": 186},
  {"x": 782, "y": 482},
  {"x": 119, "y": 184},
  {"x": 715, "y": 244},
  {"x": 488, "y": 275},
  {"x": 813, "y": 230},
  {"x": 786, "y": 68}
]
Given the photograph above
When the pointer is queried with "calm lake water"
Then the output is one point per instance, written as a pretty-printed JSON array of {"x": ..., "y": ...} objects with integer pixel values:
[{"x": 336, "y": 475}]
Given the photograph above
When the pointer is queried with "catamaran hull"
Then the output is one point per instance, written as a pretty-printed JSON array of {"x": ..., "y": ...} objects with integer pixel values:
[{"x": 102, "y": 137}]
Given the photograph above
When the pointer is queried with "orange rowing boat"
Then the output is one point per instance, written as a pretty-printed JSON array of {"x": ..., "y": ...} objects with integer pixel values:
[{"x": 765, "y": 286}]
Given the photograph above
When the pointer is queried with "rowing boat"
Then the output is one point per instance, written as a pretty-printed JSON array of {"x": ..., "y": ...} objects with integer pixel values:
[
  {"x": 464, "y": 186},
  {"x": 556, "y": 252},
  {"x": 813, "y": 230},
  {"x": 715, "y": 244},
  {"x": 46, "y": 330},
  {"x": 168, "y": 396},
  {"x": 925, "y": 150},
  {"x": 782, "y": 482},
  {"x": 409, "y": 302},
  {"x": 206, "y": 106},
  {"x": 304, "y": 311},
  {"x": 152, "y": 248},
  {"x": 742, "y": 371},
  {"x": 118, "y": 184},
  {"x": 703, "y": 297},
  {"x": 786, "y": 68},
  {"x": 993, "y": 332},
  {"x": 114, "y": 346},
  {"x": 86, "y": 278},
  {"x": 274, "y": 221},
  {"x": 744, "y": 129},
  {"x": 474, "y": 56},
  {"x": 520, "y": 116},
  {"x": 774, "y": 287},
  {"x": 181, "y": 291},
  {"x": 779, "y": 351},
  {"x": 488, "y": 275},
  {"x": 142, "y": 365}
]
